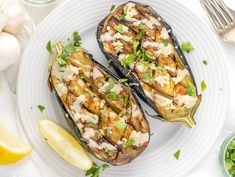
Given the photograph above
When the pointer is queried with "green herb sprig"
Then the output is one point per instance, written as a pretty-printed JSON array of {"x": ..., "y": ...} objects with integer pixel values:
[{"x": 94, "y": 171}]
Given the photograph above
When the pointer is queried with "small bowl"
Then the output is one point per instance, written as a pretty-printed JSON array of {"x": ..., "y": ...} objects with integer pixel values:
[{"x": 223, "y": 150}]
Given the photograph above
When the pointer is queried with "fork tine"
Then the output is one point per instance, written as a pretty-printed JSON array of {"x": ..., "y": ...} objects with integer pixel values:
[
  {"x": 221, "y": 13},
  {"x": 211, "y": 15},
  {"x": 226, "y": 10}
]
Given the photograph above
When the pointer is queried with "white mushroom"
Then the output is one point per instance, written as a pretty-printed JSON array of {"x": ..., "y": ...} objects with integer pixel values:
[
  {"x": 9, "y": 50},
  {"x": 16, "y": 19}
]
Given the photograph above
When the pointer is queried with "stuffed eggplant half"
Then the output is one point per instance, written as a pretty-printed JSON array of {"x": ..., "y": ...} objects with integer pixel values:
[
  {"x": 141, "y": 46},
  {"x": 102, "y": 112}
]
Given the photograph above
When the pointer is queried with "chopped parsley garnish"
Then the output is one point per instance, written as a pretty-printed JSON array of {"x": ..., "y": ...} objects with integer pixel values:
[
  {"x": 165, "y": 43},
  {"x": 77, "y": 39},
  {"x": 203, "y": 85},
  {"x": 148, "y": 76},
  {"x": 128, "y": 60},
  {"x": 108, "y": 131},
  {"x": 83, "y": 76},
  {"x": 94, "y": 171},
  {"x": 121, "y": 125},
  {"x": 90, "y": 124},
  {"x": 120, "y": 28},
  {"x": 69, "y": 48},
  {"x": 126, "y": 100},
  {"x": 111, "y": 85},
  {"x": 205, "y": 62},
  {"x": 123, "y": 80},
  {"x": 149, "y": 55},
  {"x": 191, "y": 90},
  {"x": 41, "y": 107},
  {"x": 100, "y": 133},
  {"x": 123, "y": 15},
  {"x": 187, "y": 47},
  {"x": 160, "y": 68},
  {"x": 113, "y": 96},
  {"x": 177, "y": 154},
  {"x": 129, "y": 143},
  {"x": 49, "y": 47},
  {"x": 112, "y": 8},
  {"x": 136, "y": 45}
]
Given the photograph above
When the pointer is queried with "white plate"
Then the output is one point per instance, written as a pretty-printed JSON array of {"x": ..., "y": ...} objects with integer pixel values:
[{"x": 158, "y": 159}]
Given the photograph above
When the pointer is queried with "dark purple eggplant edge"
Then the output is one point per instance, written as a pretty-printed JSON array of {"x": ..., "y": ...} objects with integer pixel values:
[
  {"x": 74, "y": 128},
  {"x": 131, "y": 78}
]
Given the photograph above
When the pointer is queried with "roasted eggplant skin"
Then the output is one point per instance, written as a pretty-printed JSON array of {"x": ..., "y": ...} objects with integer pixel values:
[
  {"x": 127, "y": 154},
  {"x": 187, "y": 119}
]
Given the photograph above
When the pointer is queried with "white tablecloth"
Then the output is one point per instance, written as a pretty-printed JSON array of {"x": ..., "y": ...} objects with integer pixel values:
[{"x": 33, "y": 166}]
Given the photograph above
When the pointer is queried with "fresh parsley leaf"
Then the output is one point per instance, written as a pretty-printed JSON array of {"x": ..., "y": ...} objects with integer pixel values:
[
  {"x": 177, "y": 154},
  {"x": 165, "y": 43},
  {"x": 126, "y": 100},
  {"x": 160, "y": 68},
  {"x": 41, "y": 107},
  {"x": 111, "y": 84},
  {"x": 128, "y": 60},
  {"x": 83, "y": 76},
  {"x": 112, "y": 8},
  {"x": 123, "y": 80},
  {"x": 187, "y": 47},
  {"x": 124, "y": 12},
  {"x": 205, "y": 62},
  {"x": 108, "y": 131},
  {"x": 69, "y": 48},
  {"x": 129, "y": 143},
  {"x": 95, "y": 170},
  {"x": 113, "y": 96},
  {"x": 77, "y": 39},
  {"x": 136, "y": 45},
  {"x": 149, "y": 55},
  {"x": 203, "y": 85},
  {"x": 61, "y": 62},
  {"x": 120, "y": 28},
  {"x": 191, "y": 90},
  {"x": 148, "y": 76},
  {"x": 49, "y": 47},
  {"x": 91, "y": 124},
  {"x": 121, "y": 125}
]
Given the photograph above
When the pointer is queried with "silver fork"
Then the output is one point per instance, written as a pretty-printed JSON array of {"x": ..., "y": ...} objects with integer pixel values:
[{"x": 221, "y": 18}]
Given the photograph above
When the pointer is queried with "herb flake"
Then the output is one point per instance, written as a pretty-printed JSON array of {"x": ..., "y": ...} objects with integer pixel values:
[
  {"x": 203, "y": 86},
  {"x": 205, "y": 62},
  {"x": 49, "y": 47},
  {"x": 95, "y": 170},
  {"x": 77, "y": 39},
  {"x": 191, "y": 90},
  {"x": 177, "y": 154},
  {"x": 112, "y": 8},
  {"x": 187, "y": 47},
  {"x": 129, "y": 143},
  {"x": 41, "y": 108}
]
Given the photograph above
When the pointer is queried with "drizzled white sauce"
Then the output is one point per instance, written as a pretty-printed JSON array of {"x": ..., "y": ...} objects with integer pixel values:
[
  {"x": 164, "y": 34},
  {"x": 161, "y": 49},
  {"x": 186, "y": 100},
  {"x": 130, "y": 11},
  {"x": 88, "y": 133},
  {"x": 69, "y": 72},
  {"x": 123, "y": 37},
  {"x": 61, "y": 89},
  {"x": 170, "y": 68},
  {"x": 117, "y": 88},
  {"x": 97, "y": 73},
  {"x": 164, "y": 102},
  {"x": 139, "y": 137},
  {"x": 180, "y": 75},
  {"x": 140, "y": 67},
  {"x": 118, "y": 46},
  {"x": 135, "y": 111},
  {"x": 162, "y": 80},
  {"x": 107, "y": 37},
  {"x": 108, "y": 146},
  {"x": 112, "y": 114}
]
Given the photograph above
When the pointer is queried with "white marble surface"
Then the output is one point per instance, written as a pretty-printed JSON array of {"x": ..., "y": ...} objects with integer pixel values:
[{"x": 207, "y": 168}]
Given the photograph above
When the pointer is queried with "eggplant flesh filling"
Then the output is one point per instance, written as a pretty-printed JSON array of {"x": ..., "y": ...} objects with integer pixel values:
[
  {"x": 104, "y": 110},
  {"x": 136, "y": 36}
]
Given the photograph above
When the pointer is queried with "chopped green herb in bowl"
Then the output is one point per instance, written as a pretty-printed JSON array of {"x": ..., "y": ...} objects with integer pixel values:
[{"x": 227, "y": 155}]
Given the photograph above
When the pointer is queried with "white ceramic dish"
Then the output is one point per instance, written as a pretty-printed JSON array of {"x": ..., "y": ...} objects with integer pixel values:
[{"x": 158, "y": 159}]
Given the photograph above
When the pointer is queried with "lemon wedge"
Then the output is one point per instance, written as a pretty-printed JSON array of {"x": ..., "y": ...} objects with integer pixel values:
[
  {"x": 11, "y": 148},
  {"x": 65, "y": 144}
]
